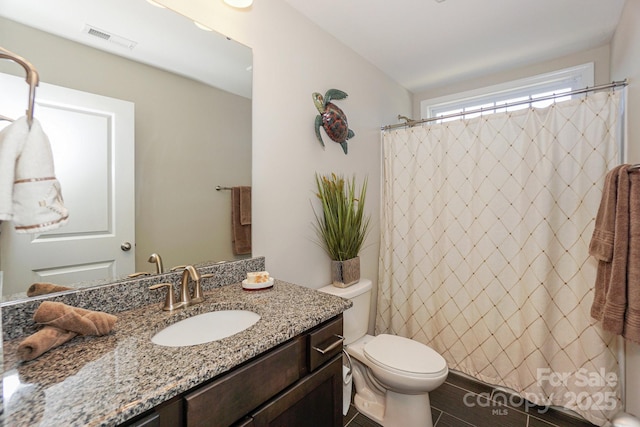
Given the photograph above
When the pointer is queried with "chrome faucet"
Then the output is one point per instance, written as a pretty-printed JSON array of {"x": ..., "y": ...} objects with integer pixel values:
[{"x": 155, "y": 258}]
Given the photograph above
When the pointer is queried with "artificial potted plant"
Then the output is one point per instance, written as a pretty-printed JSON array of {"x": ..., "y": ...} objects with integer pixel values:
[{"x": 342, "y": 226}]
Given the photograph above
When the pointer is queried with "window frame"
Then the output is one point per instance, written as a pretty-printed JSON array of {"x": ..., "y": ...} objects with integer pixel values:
[{"x": 577, "y": 77}]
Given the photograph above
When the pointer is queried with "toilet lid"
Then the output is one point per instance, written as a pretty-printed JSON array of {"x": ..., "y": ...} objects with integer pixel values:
[{"x": 404, "y": 354}]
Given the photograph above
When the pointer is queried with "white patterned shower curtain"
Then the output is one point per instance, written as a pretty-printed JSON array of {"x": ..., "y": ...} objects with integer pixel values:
[{"x": 484, "y": 248}]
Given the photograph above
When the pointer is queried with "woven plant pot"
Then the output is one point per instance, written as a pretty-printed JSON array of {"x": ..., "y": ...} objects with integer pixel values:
[{"x": 345, "y": 273}]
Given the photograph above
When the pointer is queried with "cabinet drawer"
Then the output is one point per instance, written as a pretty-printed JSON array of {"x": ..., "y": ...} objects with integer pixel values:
[
  {"x": 167, "y": 414},
  {"x": 231, "y": 397},
  {"x": 325, "y": 342},
  {"x": 152, "y": 420}
]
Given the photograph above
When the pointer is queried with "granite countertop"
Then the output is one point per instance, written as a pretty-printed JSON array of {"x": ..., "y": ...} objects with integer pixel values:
[{"x": 104, "y": 381}]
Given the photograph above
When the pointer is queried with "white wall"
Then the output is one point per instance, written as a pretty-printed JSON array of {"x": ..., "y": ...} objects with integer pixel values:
[
  {"x": 625, "y": 63},
  {"x": 599, "y": 56},
  {"x": 292, "y": 58}
]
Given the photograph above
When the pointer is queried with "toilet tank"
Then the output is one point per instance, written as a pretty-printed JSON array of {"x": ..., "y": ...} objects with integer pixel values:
[{"x": 356, "y": 318}]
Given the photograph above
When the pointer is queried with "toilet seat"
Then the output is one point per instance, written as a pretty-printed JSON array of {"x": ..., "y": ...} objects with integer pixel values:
[{"x": 404, "y": 356}]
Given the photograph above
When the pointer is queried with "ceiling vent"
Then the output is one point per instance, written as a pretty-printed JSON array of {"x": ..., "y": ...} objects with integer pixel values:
[{"x": 107, "y": 36}]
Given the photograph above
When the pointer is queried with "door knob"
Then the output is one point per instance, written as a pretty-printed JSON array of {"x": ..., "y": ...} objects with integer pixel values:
[{"x": 126, "y": 246}]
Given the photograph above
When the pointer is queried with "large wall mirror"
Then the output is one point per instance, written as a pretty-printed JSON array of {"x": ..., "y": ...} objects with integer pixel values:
[{"x": 191, "y": 92}]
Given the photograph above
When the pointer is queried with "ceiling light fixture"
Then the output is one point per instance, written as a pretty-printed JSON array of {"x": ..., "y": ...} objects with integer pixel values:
[{"x": 239, "y": 3}]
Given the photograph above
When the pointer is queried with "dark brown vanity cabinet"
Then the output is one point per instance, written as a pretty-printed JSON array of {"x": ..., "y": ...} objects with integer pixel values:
[
  {"x": 298, "y": 383},
  {"x": 315, "y": 401}
]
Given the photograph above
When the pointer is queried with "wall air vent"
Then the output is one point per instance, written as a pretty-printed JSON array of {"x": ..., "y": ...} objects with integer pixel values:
[{"x": 109, "y": 37}]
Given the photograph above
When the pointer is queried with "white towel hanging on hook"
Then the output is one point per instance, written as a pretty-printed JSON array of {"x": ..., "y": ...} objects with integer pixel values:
[{"x": 30, "y": 194}]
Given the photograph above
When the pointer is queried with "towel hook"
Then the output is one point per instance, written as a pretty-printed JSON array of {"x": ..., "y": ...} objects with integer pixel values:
[{"x": 32, "y": 79}]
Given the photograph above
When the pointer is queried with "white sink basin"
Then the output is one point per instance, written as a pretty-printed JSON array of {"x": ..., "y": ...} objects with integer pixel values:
[{"x": 206, "y": 327}]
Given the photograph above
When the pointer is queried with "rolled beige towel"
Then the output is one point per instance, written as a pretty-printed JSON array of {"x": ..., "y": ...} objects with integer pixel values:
[
  {"x": 74, "y": 319},
  {"x": 42, "y": 341},
  {"x": 41, "y": 288}
]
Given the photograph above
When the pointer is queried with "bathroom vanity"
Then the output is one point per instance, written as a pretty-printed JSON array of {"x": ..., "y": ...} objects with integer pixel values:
[
  {"x": 297, "y": 383},
  {"x": 268, "y": 374}
]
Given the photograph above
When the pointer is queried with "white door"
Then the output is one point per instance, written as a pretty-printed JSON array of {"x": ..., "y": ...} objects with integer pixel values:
[{"x": 92, "y": 138}]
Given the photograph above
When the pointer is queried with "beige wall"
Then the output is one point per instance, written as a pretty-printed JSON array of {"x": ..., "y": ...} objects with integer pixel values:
[
  {"x": 625, "y": 64},
  {"x": 189, "y": 138},
  {"x": 292, "y": 58},
  {"x": 599, "y": 56}
]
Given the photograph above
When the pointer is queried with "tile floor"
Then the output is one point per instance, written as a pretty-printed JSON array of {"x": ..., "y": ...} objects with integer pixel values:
[{"x": 448, "y": 410}]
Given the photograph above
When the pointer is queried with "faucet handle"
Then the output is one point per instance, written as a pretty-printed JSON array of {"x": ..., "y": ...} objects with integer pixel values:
[
  {"x": 169, "y": 302},
  {"x": 138, "y": 274},
  {"x": 197, "y": 291}
]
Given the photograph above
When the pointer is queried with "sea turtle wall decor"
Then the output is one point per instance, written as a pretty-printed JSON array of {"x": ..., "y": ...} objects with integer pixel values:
[{"x": 331, "y": 118}]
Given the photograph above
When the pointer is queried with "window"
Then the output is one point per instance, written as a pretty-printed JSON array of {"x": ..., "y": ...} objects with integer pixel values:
[{"x": 524, "y": 92}]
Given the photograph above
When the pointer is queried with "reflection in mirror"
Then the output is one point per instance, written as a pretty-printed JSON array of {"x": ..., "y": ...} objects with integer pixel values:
[{"x": 192, "y": 123}]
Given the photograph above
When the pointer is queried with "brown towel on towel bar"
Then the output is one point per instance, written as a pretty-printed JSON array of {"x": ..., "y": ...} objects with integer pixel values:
[
  {"x": 241, "y": 234},
  {"x": 616, "y": 245},
  {"x": 601, "y": 245},
  {"x": 78, "y": 320},
  {"x": 42, "y": 341},
  {"x": 45, "y": 288},
  {"x": 245, "y": 205},
  {"x": 632, "y": 316}
]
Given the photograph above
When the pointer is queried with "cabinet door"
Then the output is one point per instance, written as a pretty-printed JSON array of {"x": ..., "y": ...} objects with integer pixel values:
[
  {"x": 231, "y": 397},
  {"x": 315, "y": 401}
]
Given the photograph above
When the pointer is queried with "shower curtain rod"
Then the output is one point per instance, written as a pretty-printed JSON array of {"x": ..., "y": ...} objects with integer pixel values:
[{"x": 506, "y": 105}]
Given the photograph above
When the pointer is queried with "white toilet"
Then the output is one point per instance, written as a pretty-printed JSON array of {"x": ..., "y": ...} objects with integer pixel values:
[{"x": 393, "y": 375}]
